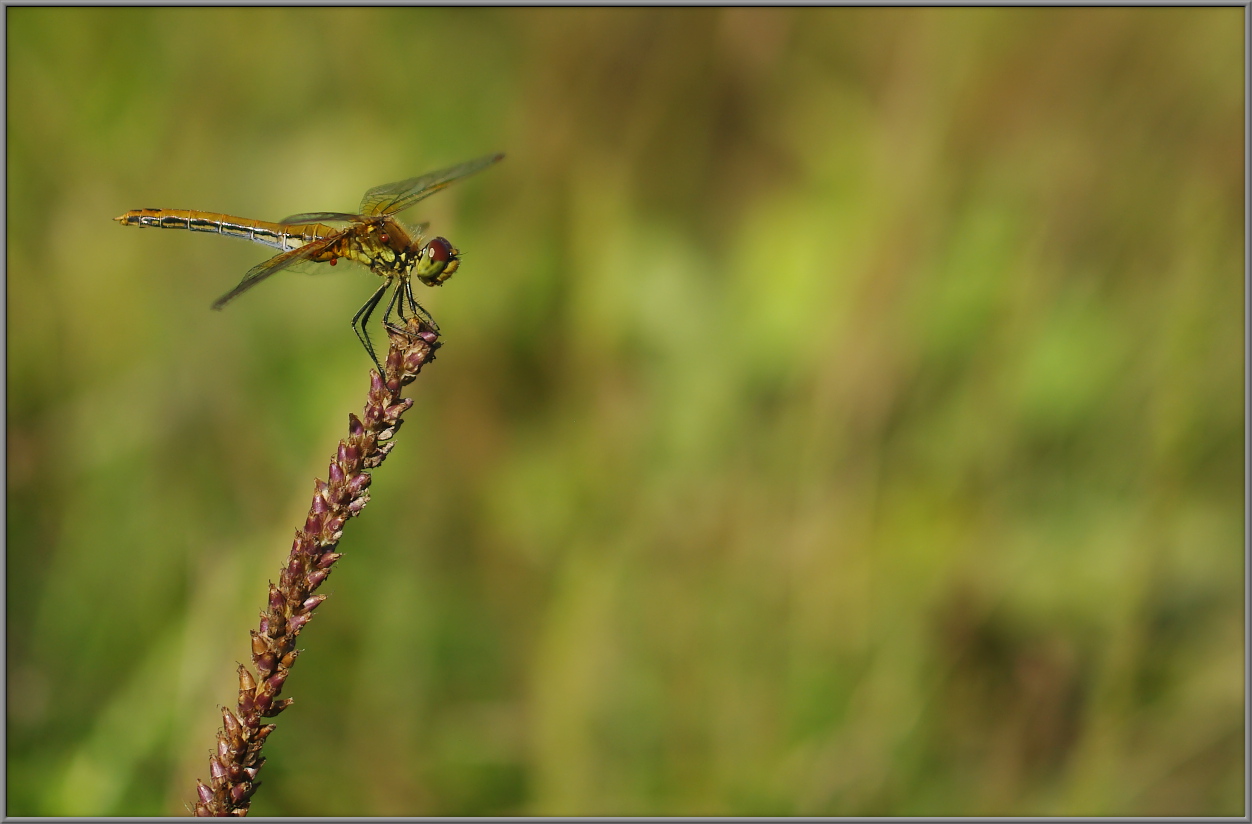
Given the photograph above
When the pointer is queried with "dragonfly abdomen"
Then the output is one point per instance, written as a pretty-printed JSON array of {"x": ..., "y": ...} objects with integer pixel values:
[{"x": 275, "y": 235}]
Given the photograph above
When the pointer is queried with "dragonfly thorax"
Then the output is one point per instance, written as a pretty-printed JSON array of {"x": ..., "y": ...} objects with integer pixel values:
[{"x": 389, "y": 251}]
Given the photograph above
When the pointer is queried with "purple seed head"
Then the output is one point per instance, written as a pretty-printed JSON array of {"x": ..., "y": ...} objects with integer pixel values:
[
  {"x": 276, "y": 599},
  {"x": 274, "y": 684},
  {"x": 319, "y": 506},
  {"x": 231, "y": 724},
  {"x": 278, "y": 707},
  {"x": 313, "y": 524},
  {"x": 266, "y": 663}
]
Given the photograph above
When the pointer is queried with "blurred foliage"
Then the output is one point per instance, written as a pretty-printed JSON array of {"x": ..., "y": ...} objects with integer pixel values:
[{"x": 841, "y": 411}]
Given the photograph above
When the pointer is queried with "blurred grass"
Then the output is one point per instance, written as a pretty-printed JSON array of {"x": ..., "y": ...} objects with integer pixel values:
[{"x": 841, "y": 411}]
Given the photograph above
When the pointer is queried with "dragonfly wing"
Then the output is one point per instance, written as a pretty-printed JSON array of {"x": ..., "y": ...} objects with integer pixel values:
[
  {"x": 318, "y": 217},
  {"x": 396, "y": 197},
  {"x": 277, "y": 263}
]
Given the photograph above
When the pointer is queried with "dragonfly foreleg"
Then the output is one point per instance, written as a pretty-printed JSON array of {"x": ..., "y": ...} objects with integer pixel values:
[
  {"x": 417, "y": 308},
  {"x": 362, "y": 317},
  {"x": 403, "y": 295}
]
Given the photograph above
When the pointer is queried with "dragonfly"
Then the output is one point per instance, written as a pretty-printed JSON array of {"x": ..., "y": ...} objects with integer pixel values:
[{"x": 373, "y": 238}]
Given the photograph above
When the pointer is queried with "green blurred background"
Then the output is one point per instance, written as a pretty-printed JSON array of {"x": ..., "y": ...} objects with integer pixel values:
[{"x": 841, "y": 411}]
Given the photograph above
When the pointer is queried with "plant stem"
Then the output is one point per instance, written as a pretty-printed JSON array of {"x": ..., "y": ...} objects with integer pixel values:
[{"x": 233, "y": 768}]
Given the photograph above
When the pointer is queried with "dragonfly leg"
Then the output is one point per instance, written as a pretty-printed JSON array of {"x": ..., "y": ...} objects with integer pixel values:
[
  {"x": 362, "y": 317},
  {"x": 396, "y": 304},
  {"x": 418, "y": 309},
  {"x": 396, "y": 297},
  {"x": 403, "y": 295},
  {"x": 408, "y": 296}
]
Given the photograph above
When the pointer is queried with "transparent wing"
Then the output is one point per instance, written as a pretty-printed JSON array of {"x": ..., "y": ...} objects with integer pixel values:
[
  {"x": 318, "y": 217},
  {"x": 396, "y": 197},
  {"x": 277, "y": 263}
]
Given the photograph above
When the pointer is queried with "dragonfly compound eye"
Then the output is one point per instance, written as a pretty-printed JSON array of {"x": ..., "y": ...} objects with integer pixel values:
[
  {"x": 439, "y": 250},
  {"x": 438, "y": 261}
]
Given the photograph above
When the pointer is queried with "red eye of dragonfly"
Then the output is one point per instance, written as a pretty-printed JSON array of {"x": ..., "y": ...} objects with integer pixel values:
[{"x": 439, "y": 250}]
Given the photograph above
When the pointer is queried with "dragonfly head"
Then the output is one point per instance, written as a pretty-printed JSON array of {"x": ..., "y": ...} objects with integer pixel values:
[{"x": 437, "y": 261}]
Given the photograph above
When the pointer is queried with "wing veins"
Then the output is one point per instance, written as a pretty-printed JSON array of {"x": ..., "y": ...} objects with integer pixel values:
[
  {"x": 392, "y": 198},
  {"x": 318, "y": 217},
  {"x": 277, "y": 263}
]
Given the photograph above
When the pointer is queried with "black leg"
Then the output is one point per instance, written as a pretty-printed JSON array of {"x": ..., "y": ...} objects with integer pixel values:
[
  {"x": 396, "y": 296},
  {"x": 408, "y": 295},
  {"x": 396, "y": 304},
  {"x": 362, "y": 317},
  {"x": 418, "y": 309}
]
